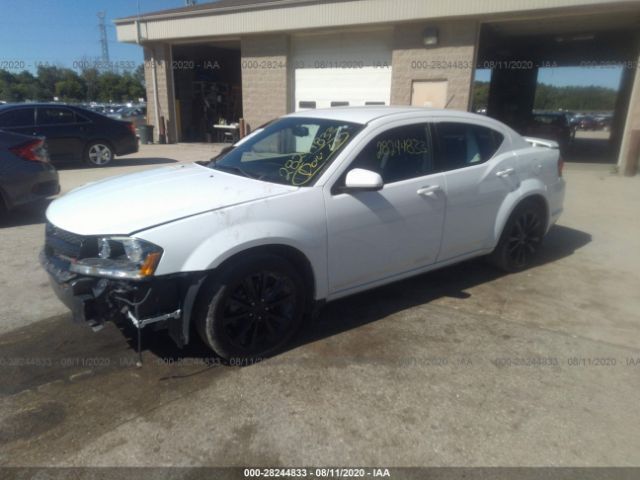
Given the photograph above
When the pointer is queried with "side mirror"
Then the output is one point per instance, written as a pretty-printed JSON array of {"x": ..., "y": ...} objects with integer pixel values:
[{"x": 364, "y": 180}]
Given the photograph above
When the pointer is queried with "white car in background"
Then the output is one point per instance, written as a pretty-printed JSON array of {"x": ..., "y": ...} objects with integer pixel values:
[{"x": 312, "y": 207}]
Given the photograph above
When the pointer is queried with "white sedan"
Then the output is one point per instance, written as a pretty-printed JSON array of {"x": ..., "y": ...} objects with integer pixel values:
[{"x": 314, "y": 206}]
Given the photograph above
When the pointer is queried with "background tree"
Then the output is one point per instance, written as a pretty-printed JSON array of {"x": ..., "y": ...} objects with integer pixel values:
[
  {"x": 24, "y": 87},
  {"x": 138, "y": 75},
  {"x": 480, "y": 95},
  {"x": 6, "y": 81},
  {"x": 90, "y": 77},
  {"x": 67, "y": 85},
  {"x": 552, "y": 98},
  {"x": 109, "y": 89},
  {"x": 71, "y": 88},
  {"x": 48, "y": 76},
  {"x": 583, "y": 99}
]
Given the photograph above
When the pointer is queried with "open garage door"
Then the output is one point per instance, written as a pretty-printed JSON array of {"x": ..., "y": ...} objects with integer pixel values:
[
  {"x": 208, "y": 93},
  {"x": 587, "y": 121},
  {"x": 346, "y": 69}
]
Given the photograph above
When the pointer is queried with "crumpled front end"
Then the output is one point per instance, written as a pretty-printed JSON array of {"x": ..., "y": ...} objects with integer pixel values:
[{"x": 94, "y": 300}]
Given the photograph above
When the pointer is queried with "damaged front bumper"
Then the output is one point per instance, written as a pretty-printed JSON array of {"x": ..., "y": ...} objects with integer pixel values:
[{"x": 165, "y": 302}]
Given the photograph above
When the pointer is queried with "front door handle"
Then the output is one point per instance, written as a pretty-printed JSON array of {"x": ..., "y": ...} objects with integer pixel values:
[
  {"x": 428, "y": 191},
  {"x": 505, "y": 173}
]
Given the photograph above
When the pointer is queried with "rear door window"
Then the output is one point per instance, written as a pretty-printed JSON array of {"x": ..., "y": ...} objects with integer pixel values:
[
  {"x": 81, "y": 118},
  {"x": 55, "y": 116},
  {"x": 19, "y": 117},
  {"x": 461, "y": 145}
]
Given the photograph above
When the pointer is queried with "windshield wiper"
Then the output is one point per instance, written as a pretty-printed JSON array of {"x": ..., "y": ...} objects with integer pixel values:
[{"x": 232, "y": 168}]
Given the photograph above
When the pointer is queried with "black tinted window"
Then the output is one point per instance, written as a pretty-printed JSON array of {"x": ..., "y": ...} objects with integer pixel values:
[
  {"x": 55, "y": 116},
  {"x": 81, "y": 118},
  {"x": 463, "y": 144},
  {"x": 398, "y": 154},
  {"x": 20, "y": 117}
]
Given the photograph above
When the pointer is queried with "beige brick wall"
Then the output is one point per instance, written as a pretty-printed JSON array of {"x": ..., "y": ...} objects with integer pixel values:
[
  {"x": 265, "y": 79},
  {"x": 160, "y": 56},
  {"x": 413, "y": 61},
  {"x": 628, "y": 159}
]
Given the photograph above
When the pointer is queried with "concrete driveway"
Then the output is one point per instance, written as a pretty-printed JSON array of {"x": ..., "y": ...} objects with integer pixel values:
[{"x": 464, "y": 366}]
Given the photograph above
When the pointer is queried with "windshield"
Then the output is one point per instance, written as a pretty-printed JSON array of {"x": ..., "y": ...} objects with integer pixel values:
[{"x": 292, "y": 150}]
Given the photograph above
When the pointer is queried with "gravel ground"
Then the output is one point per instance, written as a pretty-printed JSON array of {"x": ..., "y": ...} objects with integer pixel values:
[{"x": 463, "y": 366}]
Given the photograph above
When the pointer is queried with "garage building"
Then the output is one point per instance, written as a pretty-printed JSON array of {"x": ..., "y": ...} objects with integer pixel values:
[{"x": 215, "y": 63}]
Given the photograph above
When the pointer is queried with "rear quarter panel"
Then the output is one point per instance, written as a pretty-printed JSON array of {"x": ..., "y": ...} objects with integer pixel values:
[
  {"x": 538, "y": 175},
  {"x": 115, "y": 132}
]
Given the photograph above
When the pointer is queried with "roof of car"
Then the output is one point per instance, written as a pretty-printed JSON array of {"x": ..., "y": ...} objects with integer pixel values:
[
  {"x": 368, "y": 114},
  {"x": 36, "y": 104}
]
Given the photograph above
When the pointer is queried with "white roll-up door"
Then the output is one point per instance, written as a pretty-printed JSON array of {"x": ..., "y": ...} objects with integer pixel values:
[{"x": 342, "y": 69}]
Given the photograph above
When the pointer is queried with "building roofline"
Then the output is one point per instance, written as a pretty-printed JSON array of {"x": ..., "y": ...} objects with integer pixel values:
[
  {"x": 245, "y": 17},
  {"x": 219, "y": 7}
]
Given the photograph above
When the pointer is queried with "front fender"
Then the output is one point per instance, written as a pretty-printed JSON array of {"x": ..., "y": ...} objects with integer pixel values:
[
  {"x": 224, "y": 244},
  {"x": 202, "y": 242}
]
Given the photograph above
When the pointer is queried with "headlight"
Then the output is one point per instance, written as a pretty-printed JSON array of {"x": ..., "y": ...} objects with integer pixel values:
[{"x": 120, "y": 257}]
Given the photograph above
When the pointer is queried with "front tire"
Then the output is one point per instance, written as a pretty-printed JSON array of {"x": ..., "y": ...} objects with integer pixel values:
[
  {"x": 521, "y": 238},
  {"x": 252, "y": 308},
  {"x": 98, "y": 154}
]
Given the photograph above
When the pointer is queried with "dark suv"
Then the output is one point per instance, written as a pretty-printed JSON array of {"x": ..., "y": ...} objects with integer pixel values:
[{"x": 72, "y": 133}]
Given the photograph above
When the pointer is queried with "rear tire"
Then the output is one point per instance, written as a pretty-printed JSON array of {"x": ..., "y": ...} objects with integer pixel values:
[
  {"x": 98, "y": 154},
  {"x": 521, "y": 238},
  {"x": 252, "y": 308}
]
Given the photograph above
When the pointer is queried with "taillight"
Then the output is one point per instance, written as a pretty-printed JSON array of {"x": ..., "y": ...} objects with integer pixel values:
[
  {"x": 132, "y": 128},
  {"x": 560, "y": 166},
  {"x": 34, "y": 151}
]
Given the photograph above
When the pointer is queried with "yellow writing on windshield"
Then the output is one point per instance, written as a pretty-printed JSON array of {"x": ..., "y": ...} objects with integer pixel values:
[{"x": 301, "y": 168}]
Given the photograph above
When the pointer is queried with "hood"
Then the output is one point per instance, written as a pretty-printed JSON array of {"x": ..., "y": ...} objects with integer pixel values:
[{"x": 128, "y": 203}]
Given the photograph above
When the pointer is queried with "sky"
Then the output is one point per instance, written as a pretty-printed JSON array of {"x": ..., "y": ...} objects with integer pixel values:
[{"x": 64, "y": 32}]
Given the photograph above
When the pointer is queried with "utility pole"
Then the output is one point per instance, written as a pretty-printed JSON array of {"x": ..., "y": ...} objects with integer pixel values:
[{"x": 103, "y": 40}]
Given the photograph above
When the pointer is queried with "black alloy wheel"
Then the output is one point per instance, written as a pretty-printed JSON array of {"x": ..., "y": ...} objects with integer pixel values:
[
  {"x": 521, "y": 238},
  {"x": 524, "y": 239},
  {"x": 259, "y": 310},
  {"x": 253, "y": 308}
]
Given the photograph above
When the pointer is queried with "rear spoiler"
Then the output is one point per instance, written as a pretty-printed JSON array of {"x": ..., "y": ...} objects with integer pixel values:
[{"x": 541, "y": 142}]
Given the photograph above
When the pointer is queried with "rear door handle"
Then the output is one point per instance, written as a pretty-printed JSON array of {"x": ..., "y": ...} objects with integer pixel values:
[
  {"x": 428, "y": 191},
  {"x": 505, "y": 173}
]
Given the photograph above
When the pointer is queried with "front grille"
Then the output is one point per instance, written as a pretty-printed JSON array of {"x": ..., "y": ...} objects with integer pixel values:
[{"x": 60, "y": 242}]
